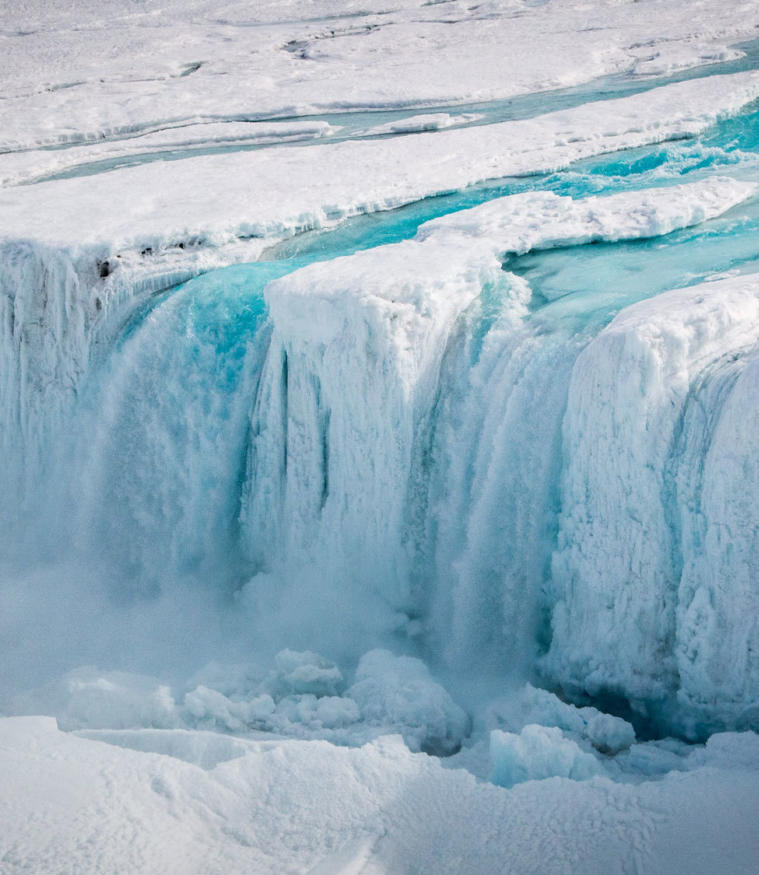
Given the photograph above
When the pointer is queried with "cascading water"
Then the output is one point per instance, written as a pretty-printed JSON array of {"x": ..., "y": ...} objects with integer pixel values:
[{"x": 435, "y": 443}]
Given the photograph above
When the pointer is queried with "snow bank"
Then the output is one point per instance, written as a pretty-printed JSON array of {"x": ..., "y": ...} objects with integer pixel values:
[{"x": 377, "y": 807}]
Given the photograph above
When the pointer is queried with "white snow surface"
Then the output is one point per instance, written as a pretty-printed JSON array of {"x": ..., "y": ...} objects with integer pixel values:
[
  {"x": 209, "y": 804},
  {"x": 85, "y": 71},
  {"x": 217, "y": 199}
]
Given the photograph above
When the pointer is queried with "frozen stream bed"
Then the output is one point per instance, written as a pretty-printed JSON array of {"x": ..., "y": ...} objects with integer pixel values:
[{"x": 379, "y": 400}]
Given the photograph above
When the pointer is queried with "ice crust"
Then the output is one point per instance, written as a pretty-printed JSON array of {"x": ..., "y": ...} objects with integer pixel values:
[{"x": 544, "y": 220}]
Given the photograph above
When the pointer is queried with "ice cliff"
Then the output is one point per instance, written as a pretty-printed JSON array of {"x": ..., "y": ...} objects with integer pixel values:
[{"x": 411, "y": 440}]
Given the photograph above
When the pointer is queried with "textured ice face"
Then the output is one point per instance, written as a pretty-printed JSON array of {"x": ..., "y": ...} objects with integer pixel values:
[
  {"x": 420, "y": 443},
  {"x": 655, "y": 431},
  {"x": 538, "y": 752}
]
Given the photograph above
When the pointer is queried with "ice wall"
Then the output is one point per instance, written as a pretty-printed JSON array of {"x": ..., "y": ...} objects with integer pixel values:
[
  {"x": 655, "y": 572},
  {"x": 434, "y": 450},
  {"x": 343, "y": 413},
  {"x": 62, "y": 312},
  {"x": 410, "y": 447}
]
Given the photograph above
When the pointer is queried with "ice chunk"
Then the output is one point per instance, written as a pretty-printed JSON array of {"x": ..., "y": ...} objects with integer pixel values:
[
  {"x": 306, "y": 672},
  {"x": 538, "y": 752},
  {"x": 87, "y": 698},
  {"x": 607, "y": 733},
  {"x": 398, "y": 693},
  {"x": 206, "y": 707},
  {"x": 427, "y": 122}
]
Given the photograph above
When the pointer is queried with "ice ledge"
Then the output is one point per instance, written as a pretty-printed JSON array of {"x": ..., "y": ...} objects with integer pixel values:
[
  {"x": 280, "y": 191},
  {"x": 543, "y": 220}
]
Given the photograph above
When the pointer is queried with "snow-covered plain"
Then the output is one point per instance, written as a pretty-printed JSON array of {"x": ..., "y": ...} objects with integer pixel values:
[{"x": 378, "y": 436}]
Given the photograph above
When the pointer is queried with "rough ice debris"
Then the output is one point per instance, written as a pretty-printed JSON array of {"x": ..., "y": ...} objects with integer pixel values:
[
  {"x": 538, "y": 752},
  {"x": 209, "y": 708},
  {"x": 306, "y": 672},
  {"x": 607, "y": 733},
  {"x": 398, "y": 693}
]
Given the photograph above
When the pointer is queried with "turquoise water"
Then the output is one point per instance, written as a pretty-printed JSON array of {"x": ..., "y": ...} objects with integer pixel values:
[
  {"x": 356, "y": 123},
  {"x": 730, "y": 147}
]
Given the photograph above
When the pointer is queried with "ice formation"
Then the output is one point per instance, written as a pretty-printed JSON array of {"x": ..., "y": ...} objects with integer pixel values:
[
  {"x": 413, "y": 443},
  {"x": 348, "y": 419},
  {"x": 676, "y": 376},
  {"x": 538, "y": 752}
]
